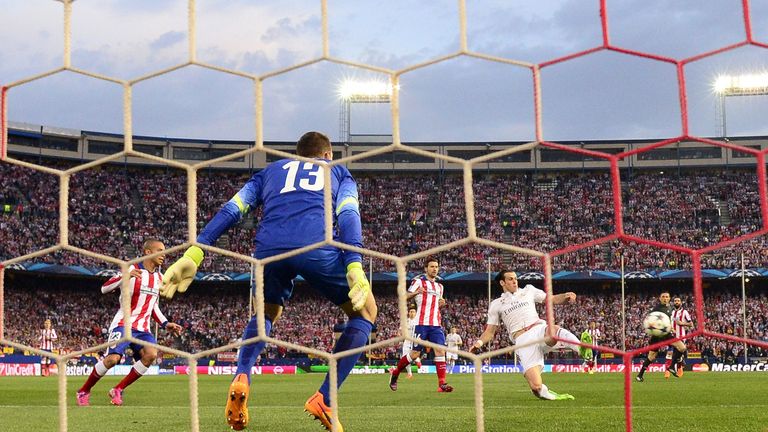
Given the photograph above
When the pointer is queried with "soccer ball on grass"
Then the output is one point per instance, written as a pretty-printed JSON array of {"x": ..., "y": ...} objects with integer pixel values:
[{"x": 657, "y": 324}]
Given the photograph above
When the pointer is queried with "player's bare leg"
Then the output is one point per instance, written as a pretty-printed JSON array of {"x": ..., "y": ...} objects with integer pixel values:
[
  {"x": 539, "y": 389},
  {"x": 236, "y": 409}
]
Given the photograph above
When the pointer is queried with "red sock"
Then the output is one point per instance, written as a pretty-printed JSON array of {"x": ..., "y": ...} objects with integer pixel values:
[
  {"x": 440, "y": 366},
  {"x": 129, "y": 379},
  {"x": 667, "y": 364},
  {"x": 92, "y": 379},
  {"x": 402, "y": 364}
]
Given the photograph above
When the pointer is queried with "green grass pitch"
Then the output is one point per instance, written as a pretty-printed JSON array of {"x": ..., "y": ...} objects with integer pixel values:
[{"x": 700, "y": 402}]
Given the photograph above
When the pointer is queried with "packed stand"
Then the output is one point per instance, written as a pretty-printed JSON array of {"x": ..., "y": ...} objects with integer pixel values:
[{"x": 114, "y": 207}]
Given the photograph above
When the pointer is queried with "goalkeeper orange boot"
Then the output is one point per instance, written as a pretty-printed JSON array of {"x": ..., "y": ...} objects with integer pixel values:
[
  {"x": 680, "y": 367},
  {"x": 236, "y": 411},
  {"x": 317, "y": 408}
]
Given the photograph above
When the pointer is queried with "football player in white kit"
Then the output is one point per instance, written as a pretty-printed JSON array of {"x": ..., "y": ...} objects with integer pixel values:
[
  {"x": 454, "y": 341},
  {"x": 516, "y": 309},
  {"x": 408, "y": 345}
]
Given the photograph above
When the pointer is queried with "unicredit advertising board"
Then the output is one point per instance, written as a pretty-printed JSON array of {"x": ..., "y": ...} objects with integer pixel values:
[{"x": 19, "y": 369}]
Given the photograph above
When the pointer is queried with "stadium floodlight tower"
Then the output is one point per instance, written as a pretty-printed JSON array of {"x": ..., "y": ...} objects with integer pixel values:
[
  {"x": 738, "y": 85},
  {"x": 360, "y": 92}
]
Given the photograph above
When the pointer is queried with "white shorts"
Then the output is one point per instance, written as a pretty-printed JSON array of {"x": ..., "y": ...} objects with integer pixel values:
[
  {"x": 451, "y": 356},
  {"x": 407, "y": 347},
  {"x": 533, "y": 354}
]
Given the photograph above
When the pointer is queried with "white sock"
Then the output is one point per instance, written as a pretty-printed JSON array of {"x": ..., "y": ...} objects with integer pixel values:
[
  {"x": 568, "y": 336},
  {"x": 140, "y": 368},
  {"x": 101, "y": 370},
  {"x": 544, "y": 393}
]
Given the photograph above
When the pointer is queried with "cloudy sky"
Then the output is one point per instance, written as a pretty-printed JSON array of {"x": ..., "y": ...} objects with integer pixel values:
[{"x": 605, "y": 95}]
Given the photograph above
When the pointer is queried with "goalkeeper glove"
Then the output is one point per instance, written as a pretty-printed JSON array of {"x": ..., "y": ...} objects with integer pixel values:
[
  {"x": 181, "y": 273},
  {"x": 359, "y": 287}
]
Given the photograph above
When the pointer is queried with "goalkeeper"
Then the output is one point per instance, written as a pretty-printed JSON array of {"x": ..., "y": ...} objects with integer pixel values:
[
  {"x": 586, "y": 352},
  {"x": 291, "y": 193}
]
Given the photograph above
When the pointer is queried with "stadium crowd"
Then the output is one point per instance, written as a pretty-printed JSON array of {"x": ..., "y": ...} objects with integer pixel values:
[
  {"x": 214, "y": 316},
  {"x": 112, "y": 208}
]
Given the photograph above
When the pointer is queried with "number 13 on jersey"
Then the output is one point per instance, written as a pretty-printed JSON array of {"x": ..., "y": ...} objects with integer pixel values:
[{"x": 315, "y": 182}]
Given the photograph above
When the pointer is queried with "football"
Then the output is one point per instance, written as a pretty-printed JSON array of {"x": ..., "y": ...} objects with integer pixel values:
[{"x": 657, "y": 324}]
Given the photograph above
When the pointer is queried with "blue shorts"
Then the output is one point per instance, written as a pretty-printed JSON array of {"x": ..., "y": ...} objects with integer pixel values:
[
  {"x": 322, "y": 268},
  {"x": 432, "y": 334},
  {"x": 117, "y": 333}
]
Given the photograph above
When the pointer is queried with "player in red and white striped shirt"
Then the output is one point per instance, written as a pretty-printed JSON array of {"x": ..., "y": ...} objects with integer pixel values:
[
  {"x": 145, "y": 283},
  {"x": 681, "y": 322},
  {"x": 427, "y": 293},
  {"x": 47, "y": 337}
]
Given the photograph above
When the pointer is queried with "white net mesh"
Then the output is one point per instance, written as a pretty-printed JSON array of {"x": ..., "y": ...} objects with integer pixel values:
[{"x": 400, "y": 262}]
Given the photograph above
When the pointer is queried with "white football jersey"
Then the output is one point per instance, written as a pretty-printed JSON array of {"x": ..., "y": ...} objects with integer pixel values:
[
  {"x": 516, "y": 310},
  {"x": 412, "y": 326},
  {"x": 453, "y": 340}
]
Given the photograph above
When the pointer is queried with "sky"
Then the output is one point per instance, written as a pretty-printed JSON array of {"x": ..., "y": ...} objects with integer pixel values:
[{"x": 605, "y": 95}]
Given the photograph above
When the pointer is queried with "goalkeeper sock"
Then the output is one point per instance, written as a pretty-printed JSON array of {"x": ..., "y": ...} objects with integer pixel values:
[
  {"x": 99, "y": 370},
  {"x": 137, "y": 371},
  {"x": 248, "y": 353},
  {"x": 355, "y": 336}
]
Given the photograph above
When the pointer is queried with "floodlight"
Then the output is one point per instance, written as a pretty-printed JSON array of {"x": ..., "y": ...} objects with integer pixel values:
[
  {"x": 742, "y": 85},
  {"x": 366, "y": 91}
]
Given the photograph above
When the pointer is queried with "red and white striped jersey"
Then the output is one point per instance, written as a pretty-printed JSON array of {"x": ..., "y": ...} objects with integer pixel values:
[
  {"x": 46, "y": 338},
  {"x": 680, "y": 315},
  {"x": 427, "y": 307},
  {"x": 144, "y": 295},
  {"x": 596, "y": 335}
]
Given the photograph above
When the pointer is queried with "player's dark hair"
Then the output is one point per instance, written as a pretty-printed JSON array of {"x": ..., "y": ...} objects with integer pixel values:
[
  {"x": 313, "y": 144},
  {"x": 149, "y": 242},
  {"x": 500, "y": 276},
  {"x": 431, "y": 259},
  {"x": 665, "y": 292}
]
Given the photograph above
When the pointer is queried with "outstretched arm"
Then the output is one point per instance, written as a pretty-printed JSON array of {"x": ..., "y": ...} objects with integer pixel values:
[
  {"x": 179, "y": 276},
  {"x": 564, "y": 298},
  {"x": 350, "y": 232},
  {"x": 229, "y": 214},
  {"x": 487, "y": 336}
]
